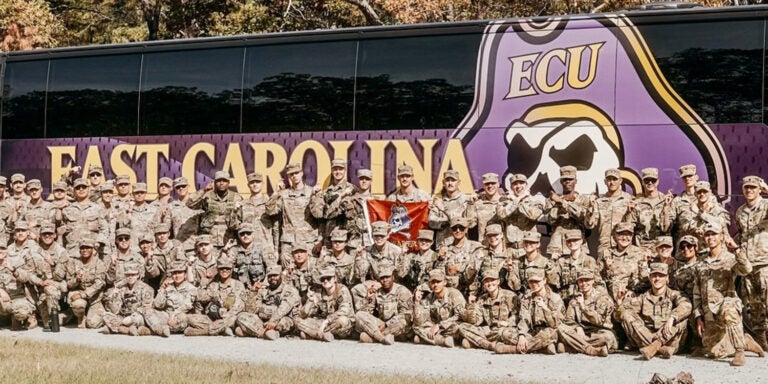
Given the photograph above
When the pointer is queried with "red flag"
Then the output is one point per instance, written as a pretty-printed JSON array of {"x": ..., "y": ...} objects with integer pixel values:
[{"x": 405, "y": 219}]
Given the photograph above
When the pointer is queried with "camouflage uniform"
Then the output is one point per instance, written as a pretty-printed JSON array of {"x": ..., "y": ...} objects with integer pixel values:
[
  {"x": 216, "y": 218},
  {"x": 441, "y": 215},
  {"x": 394, "y": 309},
  {"x": 416, "y": 195},
  {"x": 12, "y": 278},
  {"x": 172, "y": 305},
  {"x": 251, "y": 262},
  {"x": 490, "y": 319},
  {"x": 37, "y": 214},
  {"x": 79, "y": 220},
  {"x": 218, "y": 305},
  {"x": 520, "y": 270},
  {"x": 520, "y": 214},
  {"x": 278, "y": 306},
  {"x": 303, "y": 277},
  {"x": 124, "y": 301},
  {"x": 323, "y": 313},
  {"x": 604, "y": 214},
  {"x": 343, "y": 263},
  {"x": 119, "y": 260},
  {"x": 566, "y": 268},
  {"x": 90, "y": 288},
  {"x": 589, "y": 327},
  {"x": 444, "y": 312},
  {"x": 185, "y": 221},
  {"x": 484, "y": 210},
  {"x": 353, "y": 207},
  {"x": 254, "y": 212},
  {"x": 625, "y": 270},
  {"x": 652, "y": 215},
  {"x": 368, "y": 265},
  {"x": 566, "y": 216},
  {"x": 55, "y": 259},
  {"x": 298, "y": 224}
]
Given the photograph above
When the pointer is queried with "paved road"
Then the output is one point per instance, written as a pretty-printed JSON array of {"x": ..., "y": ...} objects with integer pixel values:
[{"x": 419, "y": 360}]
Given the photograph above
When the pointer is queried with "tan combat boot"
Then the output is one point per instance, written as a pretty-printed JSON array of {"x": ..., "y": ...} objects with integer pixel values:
[
  {"x": 592, "y": 351},
  {"x": 650, "y": 351},
  {"x": 195, "y": 332},
  {"x": 144, "y": 331},
  {"x": 123, "y": 330},
  {"x": 271, "y": 335},
  {"x": 80, "y": 322},
  {"x": 466, "y": 344},
  {"x": 388, "y": 340},
  {"x": 738, "y": 359},
  {"x": 753, "y": 346},
  {"x": 448, "y": 342},
  {"x": 666, "y": 352},
  {"x": 327, "y": 336},
  {"x": 502, "y": 348},
  {"x": 365, "y": 338}
]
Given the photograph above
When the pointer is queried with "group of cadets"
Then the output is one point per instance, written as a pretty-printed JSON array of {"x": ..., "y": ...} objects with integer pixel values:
[{"x": 667, "y": 275}]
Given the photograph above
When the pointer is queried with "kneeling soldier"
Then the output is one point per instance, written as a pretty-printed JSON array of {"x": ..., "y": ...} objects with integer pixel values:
[
  {"x": 127, "y": 303},
  {"x": 220, "y": 302},
  {"x": 587, "y": 327},
  {"x": 328, "y": 312},
  {"x": 392, "y": 311},
  {"x": 436, "y": 316},
  {"x": 275, "y": 307},
  {"x": 492, "y": 318}
]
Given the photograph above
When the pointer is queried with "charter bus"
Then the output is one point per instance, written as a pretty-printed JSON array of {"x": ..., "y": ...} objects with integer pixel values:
[{"x": 631, "y": 89}]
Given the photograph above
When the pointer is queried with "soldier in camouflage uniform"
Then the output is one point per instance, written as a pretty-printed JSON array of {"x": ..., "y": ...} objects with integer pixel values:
[
  {"x": 338, "y": 259},
  {"x": 705, "y": 210},
  {"x": 204, "y": 264},
  {"x": 123, "y": 187},
  {"x": 6, "y": 213},
  {"x": 415, "y": 266},
  {"x": 217, "y": 202},
  {"x": 353, "y": 206},
  {"x": 53, "y": 274},
  {"x": 95, "y": 178},
  {"x": 606, "y": 211},
  {"x": 164, "y": 250},
  {"x": 328, "y": 312},
  {"x": 250, "y": 260},
  {"x": 587, "y": 327},
  {"x": 436, "y": 316},
  {"x": 324, "y": 205},
  {"x": 392, "y": 311},
  {"x": 18, "y": 198},
  {"x": 652, "y": 212},
  {"x": 86, "y": 281},
  {"x": 483, "y": 206},
  {"x": 449, "y": 203},
  {"x": 300, "y": 274},
  {"x": 155, "y": 266},
  {"x": 541, "y": 313},
  {"x": 492, "y": 317},
  {"x": 14, "y": 301},
  {"x": 173, "y": 303},
  {"x": 140, "y": 216},
  {"x": 185, "y": 220},
  {"x": 123, "y": 256},
  {"x": 368, "y": 261},
  {"x": 219, "y": 304},
  {"x": 682, "y": 203},
  {"x": 407, "y": 192},
  {"x": 275, "y": 307},
  {"x": 495, "y": 256},
  {"x": 682, "y": 273},
  {"x": 37, "y": 211},
  {"x": 126, "y": 304},
  {"x": 663, "y": 247},
  {"x": 564, "y": 212},
  {"x": 532, "y": 261},
  {"x": 717, "y": 310},
  {"x": 752, "y": 220},
  {"x": 460, "y": 264},
  {"x": 566, "y": 268},
  {"x": 656, "y": 320},
  {"x": 520, "y": 211},
  {"x": 624, "y": 267},
  {"x": 292, "y": 206},
  {"x": 254, "y": 212},
  {"x": 80, "y": 219},
  {"x": 109, "y": 211}
]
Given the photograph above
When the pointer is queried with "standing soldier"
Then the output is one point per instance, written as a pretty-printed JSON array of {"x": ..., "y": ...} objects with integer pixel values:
[
  {"x": 123, "y": 186},
  {"x": 717, "y": 310},
  {"x": 328, "y": 312},
  {"x": 185, "y": 220},
  {"x": 95, "y": 178},
  {"x": 436, "y": 316},
  {"x": 54, "y": 275},
  {"x": 219, "y": 304},
  {"x": 407, "y": 192},
  {"x": 392, "y": 313},
  {"x": 415, "y": 266},
  {"x": 18, "y": 198},
  {"x": 321, "y": 203},
  {"x": 683, "y": 202},
  {"x": 353, "y": 206},
  {"x": 139, "y": 216},
  {"x": 173, "y": 303},
  {"x": 682, "y": 274},
  {"x": 703, "y": 211},
  {"x": 587, "y": 327},
  {"x": 492, "y": 318},
  {"x": 521, "y": 211},
  {"x": 37, "y": 211},
  {"x": 203, "y": 266},
  {"x": 276, "y": 306},
  {"x": 533, "y": 261},
  {"x": 86, "y": 281},
  {"x": 110, "y": 212},
  {"x": 292, "y": 205},
  {"x": 300, "y": 272},
  {"x": 123, "y": 256},
  {"x": 752, "y": 219},
  {"x": 495, "y": 256},
  {"x": 126, "y": 303},
  {"x": 461, "y": 266},
  {"x": 368, "y": 262},
  {"x": 254, "y": 212},
  {"x": 338, "y": 259},
  {"x": 541, "y": 312},
  {"x": 165, "y": 250},
  {"x": 624, "y": 266},
  {"x": 250, "y": 260},
  {"x": 652, "y": 213},
  {"x": 568, "y": 266},
  {"x": 217, "y": 203},
  {"x": 155, "y": 265},
  {"x": 483, "y": 207},
  {"x": 449, "y": 203},
  {"x": 564, "y": 212},
  {"x": 606, "y": 211},
  {"x": 81, "y": 219},
  {"x": 656, "y": 320}
]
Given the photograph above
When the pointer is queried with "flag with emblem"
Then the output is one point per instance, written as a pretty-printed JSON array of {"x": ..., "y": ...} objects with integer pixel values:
[{"x": 405, "y": 219}]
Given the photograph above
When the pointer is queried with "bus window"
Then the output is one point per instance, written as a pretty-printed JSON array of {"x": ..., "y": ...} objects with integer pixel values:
[
  {"x": 24, "y": 100},
  {"x": 715, "y": 66},
  {"x": 299, "y": 87},
  {"x": 93, "y": 96},
  {"x": 191, "y": 92},
  {"x": 415, "y": 83}
]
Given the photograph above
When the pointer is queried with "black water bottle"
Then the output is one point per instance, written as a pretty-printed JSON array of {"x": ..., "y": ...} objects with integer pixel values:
[{"x": 54, "y": 320}]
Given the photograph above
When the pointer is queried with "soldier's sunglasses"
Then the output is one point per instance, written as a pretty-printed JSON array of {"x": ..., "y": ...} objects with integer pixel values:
[{"x": 687, "y": 246}]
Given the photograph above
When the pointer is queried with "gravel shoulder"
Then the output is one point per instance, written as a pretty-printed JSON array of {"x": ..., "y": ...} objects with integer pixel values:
[{"x": 418, "y": 360}]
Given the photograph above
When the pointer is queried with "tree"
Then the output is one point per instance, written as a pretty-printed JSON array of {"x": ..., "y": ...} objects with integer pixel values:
[{"x": 28, "y": 24}]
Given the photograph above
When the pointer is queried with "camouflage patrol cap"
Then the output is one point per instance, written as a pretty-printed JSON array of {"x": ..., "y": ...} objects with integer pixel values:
[
  {"x": 451, "y": 174},
  {"x": 255, "y": 177},
  {"x": 300, "y": 246},
  {"x": 568, "y": 172},
  {"x": 122, "y": 179},
  {"x": 225, "y": 262},
  {"x": 145, "y": 238},
  {"x": 338, "y": 234},
  {"x": 649, "y": 173},
  {"x": 531, "y": 236},
  {"x": 380, "y": 228},
  {"x": 659, "y": 268},
  {"x": 688, "y": 239},
  {"x": 245, "y": 227},
  {"x": 139, "y": 187},
  {"x": 21, "y": 225},
  {"x": 178, "y": 266},
  {"x": 426, "y": 234},
  {"x": 203, "y": 239},
  {"x": 624, "y": 227},
  {"x": 386, "y": 268},
  {"x": 687, "y": 170},
  {"x": 328, "y": 271},
  {"x": 162, "y": 228},
  {"x": 754, "y": 181},
  {"x": 612, "y": 172},
  {"x": 106, "y": 187},
  {"x": 364, "y": 172},
  {"x": 490, "y": 273},
  {"x": 87, "y": 242},
  {"x": 585, "y": 274},
  {"x": 703, "y": 186},
  {"x": 713, "y": 228},
  {"x": 437, "y": 275},
  {"x": 490, "y": 178},
  {"x": 535, "y": 274},
  {"x": 338, "y": 163},
  {"x": 3, "y": 245},
  {"x": 3, "y": 181},
  {"x": 131, "y": 269},
  {"x": 34, "y": 184},
  {"x": 518, "y": 177},
  {"x": 462, "y": 221},
  {"x": 493, "y": 229},
  {"x": 573, "y": 234},
  {"x": 18, "y": 178},
  {"x": 165, "y": 181},
  {"x": 80, "y": 182},
  {"x": 95, "y": 169},
  {"x": 293, "y": 168},
  {"x": 405, "y": 170},
  {"x": 58, "y": 186},
  {"x": 47, "y": 227},
  {"x": 123, "y": 232},
  {"x": 663, "y": 240},
  {"x": 221, "y": 175},
  {"x": 274, "y": 270},
  {"x": 180, "y": 182}
]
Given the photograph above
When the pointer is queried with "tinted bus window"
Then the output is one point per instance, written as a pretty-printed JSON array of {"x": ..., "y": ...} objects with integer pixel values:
[
  {"x": 415, "y": 83},
  {"x": 299, "y": 87},
  {"x": 93, "y": 96},
  {"x": 714, "y": 66},
  {"x": 191, "y": 92},
  {"x": 24, "y": 100}
]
